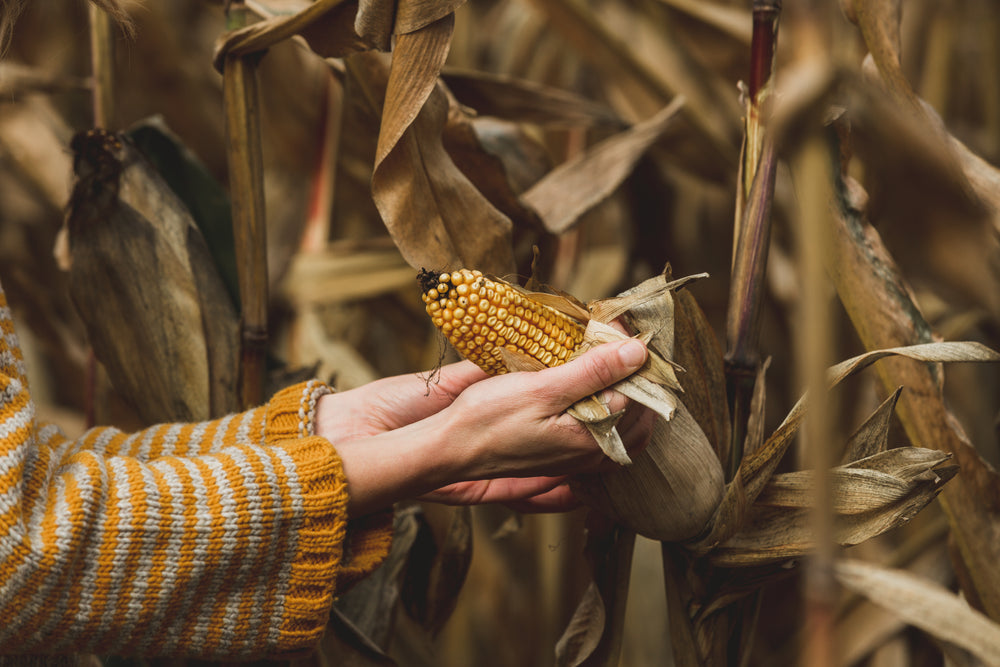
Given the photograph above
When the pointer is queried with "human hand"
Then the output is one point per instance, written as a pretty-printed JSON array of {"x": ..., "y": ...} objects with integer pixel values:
[
  {"x": 393, "y": 402},
  {"x": 516, "y": 425},
  {"x": 511, "y": 426}
]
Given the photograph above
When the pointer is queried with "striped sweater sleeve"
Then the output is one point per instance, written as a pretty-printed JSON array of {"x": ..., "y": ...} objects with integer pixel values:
[{"x": 222, "y": 540}]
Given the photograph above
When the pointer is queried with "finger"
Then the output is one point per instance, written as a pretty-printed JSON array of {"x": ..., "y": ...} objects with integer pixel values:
[
  {"x": 559, "y": 499},
  {"x": 454, "y": 378},
  {"x": 593, "y": 371}
]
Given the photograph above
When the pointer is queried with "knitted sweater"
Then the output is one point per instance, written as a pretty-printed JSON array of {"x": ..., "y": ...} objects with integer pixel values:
[{"x": 224, "y": 539}]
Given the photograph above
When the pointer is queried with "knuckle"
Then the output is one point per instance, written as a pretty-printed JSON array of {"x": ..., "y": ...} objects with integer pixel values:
[{"x": 602, "y": 369}]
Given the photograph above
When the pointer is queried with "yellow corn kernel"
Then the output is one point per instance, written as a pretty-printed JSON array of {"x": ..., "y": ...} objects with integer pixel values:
[{"x": 479, "y": 316}]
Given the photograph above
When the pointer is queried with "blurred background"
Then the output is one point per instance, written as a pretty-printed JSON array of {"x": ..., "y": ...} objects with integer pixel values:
[{"x": 343, "y": 303}]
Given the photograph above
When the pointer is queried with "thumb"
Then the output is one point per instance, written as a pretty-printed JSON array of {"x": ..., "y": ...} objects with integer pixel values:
[{"x": 598, "y": 368}]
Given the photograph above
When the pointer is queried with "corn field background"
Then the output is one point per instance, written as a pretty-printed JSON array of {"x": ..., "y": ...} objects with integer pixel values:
[{"x": 290, "y": 166}]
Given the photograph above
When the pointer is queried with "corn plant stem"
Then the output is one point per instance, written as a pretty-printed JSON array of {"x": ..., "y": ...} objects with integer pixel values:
[
  {"x": 746, "y": 299},
  {"x": 762, "y": 51},
  {"x": 102, "y": 53},
  {"x": 813, "y": 166},
  {"x": 751, "y": 232},
  {"x": 762, "y": 46},
  {"x": 246, "y": 183}
]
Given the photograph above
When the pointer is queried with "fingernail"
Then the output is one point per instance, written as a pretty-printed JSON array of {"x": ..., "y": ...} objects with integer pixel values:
[{"x": 632, "y": 354}]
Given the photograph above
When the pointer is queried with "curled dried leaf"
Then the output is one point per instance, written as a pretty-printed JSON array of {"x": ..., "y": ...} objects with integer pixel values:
[{"x": 871, "y": 496}]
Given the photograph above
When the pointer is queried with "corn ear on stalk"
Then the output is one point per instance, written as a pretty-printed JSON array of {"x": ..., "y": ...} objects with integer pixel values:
[{"x": 483, "y": 316}]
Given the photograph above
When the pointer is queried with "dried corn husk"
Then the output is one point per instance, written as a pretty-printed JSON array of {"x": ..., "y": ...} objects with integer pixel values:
[
  {"x": 156, "y": 311},
  {"x": 672, "y": 488}
]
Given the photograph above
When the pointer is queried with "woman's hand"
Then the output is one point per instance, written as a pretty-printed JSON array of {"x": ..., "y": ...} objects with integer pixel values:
[
  {"x": 503, "y": 439},
  {"x": 393, "y": 402}
]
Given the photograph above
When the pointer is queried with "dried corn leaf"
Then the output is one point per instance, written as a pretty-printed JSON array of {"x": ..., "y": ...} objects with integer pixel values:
[
  {"x": 594, "y": 635},
  {"x": 860, "y": 487},
  {"x": 675, "y": 75},
  {"x": 868, "y": 502},
  {"x": 419, "y": 14},
  {"x": 961, "y": 188},
  {"x": 864, "y": 629},
  {"x": 879, "y": 23},
  {"x": 872, "y": 436},
  {"x": 436, "y": 571},
  {"x": 757, "y": 467},
  {"x": 434, "y": 214},
  {"x": 526, "y": 101},
  {"x": 925, "y": 605},
  {"x": 656, "y": 370},
  {"x": 632, "y": 299},
  {"x": 733, "y": 21},
  {"x": 583, "y": 634},
  {"x": 577, "y": 186},
  {"x": 879, "y": 304},
  {"x": 416, "y": 63},
  {"x": 157, "y": 313},
  {"x": 327, "y": 22},
  {"x": 500, "y": 158},
  {"x": 361, "y": 621},
  {"x": 345, "y": 272}
]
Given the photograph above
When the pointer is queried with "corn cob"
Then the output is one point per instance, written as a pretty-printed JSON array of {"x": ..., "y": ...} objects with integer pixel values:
[{"x": 481, "y": 316}]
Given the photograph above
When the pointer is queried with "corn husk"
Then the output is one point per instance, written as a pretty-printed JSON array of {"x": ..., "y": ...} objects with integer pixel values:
[
  {"x": 156, "y": 311},
  {"x": 671, "y": 489}
]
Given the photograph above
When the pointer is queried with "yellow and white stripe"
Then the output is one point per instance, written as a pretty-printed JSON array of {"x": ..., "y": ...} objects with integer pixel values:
[{"x": 200, "y": 540}]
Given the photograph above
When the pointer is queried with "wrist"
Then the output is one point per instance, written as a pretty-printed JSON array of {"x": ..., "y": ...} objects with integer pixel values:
[{"x": 395, "y": 465}]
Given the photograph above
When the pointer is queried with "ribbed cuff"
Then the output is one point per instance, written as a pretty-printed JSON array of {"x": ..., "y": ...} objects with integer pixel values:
[
  {"x": 320, "y": 542},
  {"x": 369, "y": 539},
  {"x": 332, "y": 555},
  {"x": 291, "y": 413}
]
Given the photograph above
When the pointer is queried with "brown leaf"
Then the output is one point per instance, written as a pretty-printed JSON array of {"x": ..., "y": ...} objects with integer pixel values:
[
  {"x": 434, "y": 214},
  {"x": 584, "y": 631},
  {"x": 867, "y": 500},
  {"x": 500, "y": 159},
  {"x": 526, "y": 101},
  {"x": 884, "y": 314},
  {"x": 361, "y": 622},
  {"x": 594, "y": 635},
  {"x": 862, "y": 486},
  {"x": 757, "y": 468},
  {"x": 575, "y": 187},
  {"x": 675, "y": 74},
  {"x": 925, "y": 605},
  {"x": 325, "y": 22},
  {"x": 872, "y": 437}
]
